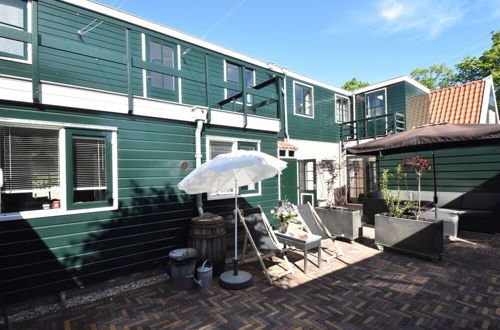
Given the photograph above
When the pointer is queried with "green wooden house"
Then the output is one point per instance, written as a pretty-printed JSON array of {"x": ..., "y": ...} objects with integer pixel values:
[{"x": 102, "y": 113}]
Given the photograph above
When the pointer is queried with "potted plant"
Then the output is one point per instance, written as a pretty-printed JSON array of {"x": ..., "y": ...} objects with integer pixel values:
[
  {"x": 285, "y": 213},
  {"x": 340, "y": 221},
  {"x": 400, "y": 227}
]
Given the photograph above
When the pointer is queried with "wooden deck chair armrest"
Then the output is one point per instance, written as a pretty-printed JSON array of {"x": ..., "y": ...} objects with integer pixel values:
[{"x": 319, "y": 220}]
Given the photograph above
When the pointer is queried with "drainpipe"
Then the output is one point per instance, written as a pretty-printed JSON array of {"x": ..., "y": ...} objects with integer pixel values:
[
  {"x": 200, "y": 117},
  {"x": 284, "y": 70}
]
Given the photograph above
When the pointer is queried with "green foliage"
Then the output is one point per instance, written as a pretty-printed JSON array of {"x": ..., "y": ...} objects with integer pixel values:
[
  {"x": 469, "y": 69},
  {"x": 354, "y": 84},
  {"x": 434, "y": 77},
  {"x": 472, "y": 68},
  {"x": 393, "y": 199}
]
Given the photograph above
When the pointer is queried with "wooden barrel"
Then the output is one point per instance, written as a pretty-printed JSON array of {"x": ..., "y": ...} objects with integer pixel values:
[{"x": 207, "y": 236}]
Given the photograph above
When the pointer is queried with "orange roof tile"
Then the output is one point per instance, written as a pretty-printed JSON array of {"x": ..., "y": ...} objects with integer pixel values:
[
  {"x": 286, "y": 145},
  {"x": 457, "y": 104}
]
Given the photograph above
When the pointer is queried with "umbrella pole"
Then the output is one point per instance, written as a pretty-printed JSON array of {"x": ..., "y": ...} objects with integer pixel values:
[
  {"x": 235, "y": 259},
  {"x": 435, "y": 186},
  {"x": 235, "y": 280}
]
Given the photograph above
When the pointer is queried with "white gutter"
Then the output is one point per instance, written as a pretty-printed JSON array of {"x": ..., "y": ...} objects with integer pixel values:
[{"x": 200, "y": 116}]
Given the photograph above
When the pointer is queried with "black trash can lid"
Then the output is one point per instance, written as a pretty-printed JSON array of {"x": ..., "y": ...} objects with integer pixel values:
[{"x": 183, "y": 254}]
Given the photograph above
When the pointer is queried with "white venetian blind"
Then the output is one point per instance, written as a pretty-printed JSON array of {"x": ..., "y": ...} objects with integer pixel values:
[
  {"x": 220, "y": 147},
  {"x": 29, "y": 159},
  {"x": 89, "y": 163}
]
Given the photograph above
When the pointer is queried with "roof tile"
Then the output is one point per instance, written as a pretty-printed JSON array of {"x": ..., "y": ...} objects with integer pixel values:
[{"x": 457, "y": 104}]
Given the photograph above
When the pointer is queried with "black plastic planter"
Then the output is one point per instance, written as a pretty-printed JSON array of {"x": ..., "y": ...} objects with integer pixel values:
[
  {"x": 344, "y": 223},
  {"x": 421, "y": 237}
]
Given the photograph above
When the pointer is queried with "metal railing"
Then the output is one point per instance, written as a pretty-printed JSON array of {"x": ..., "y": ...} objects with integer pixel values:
[{"x": 372, "y": 127}]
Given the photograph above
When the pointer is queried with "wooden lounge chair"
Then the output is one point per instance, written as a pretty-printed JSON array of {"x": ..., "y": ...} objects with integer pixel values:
[
  {"x": 315, "y": 226},
  {"x": 261, "y": 236}
]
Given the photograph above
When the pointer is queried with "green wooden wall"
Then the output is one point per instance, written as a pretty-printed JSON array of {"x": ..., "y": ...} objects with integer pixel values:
[
  {"x": 98, "y": 59},
  {"x": 320, "y": 128},
  {"x": 44, "y": 255},
  {"x": 395, "y": 100},
  {"x": 457, "y": 169}
]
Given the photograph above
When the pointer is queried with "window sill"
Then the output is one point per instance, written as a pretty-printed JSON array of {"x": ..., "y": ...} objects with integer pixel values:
[
  {"x": 217, "y": 197},
  {"x": 51, "y": 213},
  {"x": 305, "y": 116}
]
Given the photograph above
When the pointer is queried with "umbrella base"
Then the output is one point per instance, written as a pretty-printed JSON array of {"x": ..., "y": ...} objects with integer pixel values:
[{"x": 230, "y": 281}]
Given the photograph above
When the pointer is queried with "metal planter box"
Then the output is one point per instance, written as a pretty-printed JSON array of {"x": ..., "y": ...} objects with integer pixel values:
[
  {"x": 422, "y": 237},
  {"x": 344, "y": 223}
]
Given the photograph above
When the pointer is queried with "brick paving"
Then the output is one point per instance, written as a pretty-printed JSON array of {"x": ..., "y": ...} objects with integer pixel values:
[{"x": 363, "y": 289}]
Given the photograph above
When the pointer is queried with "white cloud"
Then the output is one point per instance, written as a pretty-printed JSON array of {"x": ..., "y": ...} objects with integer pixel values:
[
  {"x": 393, "y": 11},
  {"x": 425, "y": 18}
]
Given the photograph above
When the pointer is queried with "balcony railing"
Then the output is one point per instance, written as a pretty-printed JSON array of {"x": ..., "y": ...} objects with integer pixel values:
[{"x": 372, "y": 127}]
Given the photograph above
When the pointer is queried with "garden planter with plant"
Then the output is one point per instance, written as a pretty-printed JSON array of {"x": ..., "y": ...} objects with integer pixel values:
[
  {"x": 401, "y": 227},
  {"x": 340, "y": 221}
]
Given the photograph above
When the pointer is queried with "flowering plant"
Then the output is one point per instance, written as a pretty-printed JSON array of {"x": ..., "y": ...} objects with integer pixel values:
[{"x": 286, "y": 212}]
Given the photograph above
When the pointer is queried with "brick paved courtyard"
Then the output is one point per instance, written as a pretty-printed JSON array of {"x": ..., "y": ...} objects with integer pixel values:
[{"x": 363, "y": 289}]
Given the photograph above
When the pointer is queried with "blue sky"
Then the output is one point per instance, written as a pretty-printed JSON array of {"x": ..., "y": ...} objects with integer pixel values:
[{"x": 333, "y": 40}]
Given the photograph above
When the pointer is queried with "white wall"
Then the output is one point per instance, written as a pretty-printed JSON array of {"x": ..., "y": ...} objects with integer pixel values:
[{"x": 319, "y": 151}]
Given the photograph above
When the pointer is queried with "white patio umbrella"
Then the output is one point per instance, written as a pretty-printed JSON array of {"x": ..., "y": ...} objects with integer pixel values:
[{"x": 230, "y": 171}]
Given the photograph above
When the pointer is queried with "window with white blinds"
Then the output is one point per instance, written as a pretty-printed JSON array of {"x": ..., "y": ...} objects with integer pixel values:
[
  {"x": 30, "y": 167},
  {"x": 220, "y": 147},
  {"x": 89, "y": 168},
  {"x": 226, "y": 145}
]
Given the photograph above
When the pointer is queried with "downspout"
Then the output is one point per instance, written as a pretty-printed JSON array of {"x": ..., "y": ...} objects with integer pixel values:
[
  {"x": 284, "y": 70},
  {"x": 200, "y": 117}
]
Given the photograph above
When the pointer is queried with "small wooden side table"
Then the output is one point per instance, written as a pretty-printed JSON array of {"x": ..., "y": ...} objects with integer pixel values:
[{"x": 312, "y": 242}]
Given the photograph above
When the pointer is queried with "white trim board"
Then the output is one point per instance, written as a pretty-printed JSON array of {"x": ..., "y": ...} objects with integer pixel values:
[
  {"x": 56, "y": 94},
  {"x": 390, "y": 82},
  {"x": 488, "y": 89}
]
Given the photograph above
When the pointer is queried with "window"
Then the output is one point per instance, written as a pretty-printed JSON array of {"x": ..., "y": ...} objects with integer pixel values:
[
  {"x": 89, "y": 167},
  {"x": 31, "y": 173},
  {"x": 249, "y": 146},
  {"x": 13, "y": 15},
  {"x": 221, "y": 145},
  {"x": 30, "y": 166},
  {"x": 375, "y": 103},
  {"x": 287, "y": 153},
  {"x": 303, "y": 100},
  {"x": 163, "y": 55},
  {"x": 342, "y": 109},
  {"x": 233, "y": 75}
]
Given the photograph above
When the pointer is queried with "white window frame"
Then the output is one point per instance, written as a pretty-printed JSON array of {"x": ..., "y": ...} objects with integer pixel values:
[
  {"x": 234, "y": 141},
  {"x": 225, "y": 79},
  {"x": 287, "y": 153},
  {"x": 368, "y": 105},
  {"x": 348, "y": 104},
  {"x": 29, "y": 29},
  {"x": 312, "y": 101},
  {"x": 61, "y": 127}
]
